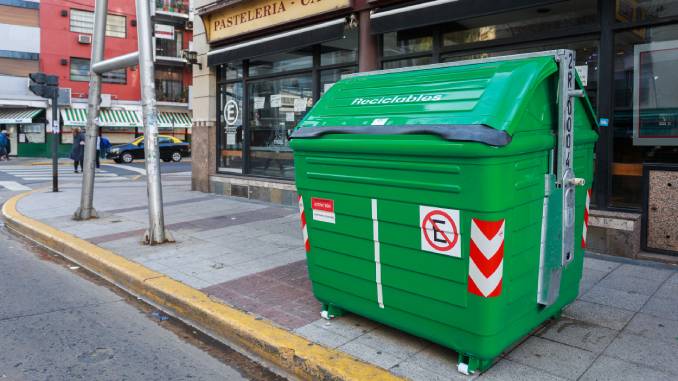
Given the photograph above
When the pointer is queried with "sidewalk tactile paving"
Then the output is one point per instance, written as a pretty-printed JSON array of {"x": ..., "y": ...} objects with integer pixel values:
[{"x": 281, "y": 294}]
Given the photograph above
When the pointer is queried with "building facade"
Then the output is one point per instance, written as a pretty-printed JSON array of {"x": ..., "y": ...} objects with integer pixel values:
[
  {"x": 21, "y": 112},
  {"x": 265, "y": 63},
  {"x": 64, "y": 41}
]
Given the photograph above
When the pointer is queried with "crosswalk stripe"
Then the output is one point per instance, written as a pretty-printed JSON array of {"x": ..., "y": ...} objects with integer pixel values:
[{"x": 13, "y": 186}]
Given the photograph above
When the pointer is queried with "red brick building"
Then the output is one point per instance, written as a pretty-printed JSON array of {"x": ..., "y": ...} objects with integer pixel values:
[{"x": 65, "y": 44}]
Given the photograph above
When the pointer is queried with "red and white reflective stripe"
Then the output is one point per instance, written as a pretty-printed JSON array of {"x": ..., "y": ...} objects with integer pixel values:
[
  {"x": 304, "y": 231},
  {"x": 486, "y": 259},
  {"x": 586, "y": 219}
]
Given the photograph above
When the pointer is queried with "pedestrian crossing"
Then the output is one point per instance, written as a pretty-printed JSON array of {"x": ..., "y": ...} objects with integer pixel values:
[{"x": 26, "y": 175}]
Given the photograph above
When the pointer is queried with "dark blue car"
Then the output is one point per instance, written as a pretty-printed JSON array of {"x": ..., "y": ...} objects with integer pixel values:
[{"x": 171, "y": 149}]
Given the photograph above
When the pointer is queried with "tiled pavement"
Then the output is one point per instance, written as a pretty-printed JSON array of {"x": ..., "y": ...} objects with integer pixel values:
[{"x": 623, "y": 326}]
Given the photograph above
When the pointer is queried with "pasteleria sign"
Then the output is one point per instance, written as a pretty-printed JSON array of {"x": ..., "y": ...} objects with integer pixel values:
[{"x": 250, "y": 16}]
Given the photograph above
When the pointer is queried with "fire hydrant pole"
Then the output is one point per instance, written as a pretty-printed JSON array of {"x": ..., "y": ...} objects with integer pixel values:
[
  {"x": 156, "y": 230},
  {"x": 86, "y": 209}
]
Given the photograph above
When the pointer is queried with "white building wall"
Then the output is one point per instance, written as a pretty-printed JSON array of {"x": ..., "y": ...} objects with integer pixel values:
[{"x": 20, "y": 38}]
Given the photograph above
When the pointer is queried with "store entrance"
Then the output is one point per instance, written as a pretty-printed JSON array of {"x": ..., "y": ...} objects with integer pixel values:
[{"x": 232, "y": 132}]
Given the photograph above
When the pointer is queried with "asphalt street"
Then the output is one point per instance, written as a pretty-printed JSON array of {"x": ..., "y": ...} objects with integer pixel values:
[{"x": 59, "y": 322}]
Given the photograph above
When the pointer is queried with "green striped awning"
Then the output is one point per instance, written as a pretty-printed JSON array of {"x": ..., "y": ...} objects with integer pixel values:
[
  {"x": 22, "y": 115},
  {"x": 174, "y": 120},
  {"x": 74, "y": 117},
  {"x": 77, "y": 117}
]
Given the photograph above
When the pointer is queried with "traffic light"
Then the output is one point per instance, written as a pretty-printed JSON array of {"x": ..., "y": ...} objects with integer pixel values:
[{"x": 43, "y": 85}]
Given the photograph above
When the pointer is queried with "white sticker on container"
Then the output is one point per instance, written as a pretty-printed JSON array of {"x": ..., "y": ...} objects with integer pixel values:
[
  {"x": 379, "y": 121},
  {"x": 323, "y": 210}
]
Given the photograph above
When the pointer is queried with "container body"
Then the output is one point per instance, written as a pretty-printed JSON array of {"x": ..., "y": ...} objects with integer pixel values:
[{"x": 395, "y": 222}]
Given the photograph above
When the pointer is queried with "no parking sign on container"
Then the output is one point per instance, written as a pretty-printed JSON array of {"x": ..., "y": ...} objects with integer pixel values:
[{"x": 440, "y": 230}]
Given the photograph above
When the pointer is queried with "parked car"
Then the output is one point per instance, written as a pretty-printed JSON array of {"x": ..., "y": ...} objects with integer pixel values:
[{"x": 171, "y": 149}]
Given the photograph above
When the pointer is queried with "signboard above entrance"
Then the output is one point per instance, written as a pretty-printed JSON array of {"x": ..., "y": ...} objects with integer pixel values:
[{"x": 250, "y": 16}]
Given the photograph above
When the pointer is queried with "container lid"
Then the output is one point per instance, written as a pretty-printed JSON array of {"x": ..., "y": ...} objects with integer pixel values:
[{"x": 479, "y": 102}]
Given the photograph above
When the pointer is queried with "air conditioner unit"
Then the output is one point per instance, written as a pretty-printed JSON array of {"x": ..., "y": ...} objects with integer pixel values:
[
  {"x": 84, "y": 38},
  {"x": 189, "y": 25},
  {"x": 105, "y": 100}
]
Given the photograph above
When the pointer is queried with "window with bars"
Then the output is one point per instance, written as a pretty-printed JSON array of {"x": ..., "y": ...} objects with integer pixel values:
[
  {"x": 83, "y": 22},
  {"x": 80, "y": 72}
]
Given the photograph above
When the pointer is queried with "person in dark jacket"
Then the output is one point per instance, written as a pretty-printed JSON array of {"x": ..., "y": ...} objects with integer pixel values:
[
  {"x": 4, "y": 145},
  {"x": 78, "y": 149}
]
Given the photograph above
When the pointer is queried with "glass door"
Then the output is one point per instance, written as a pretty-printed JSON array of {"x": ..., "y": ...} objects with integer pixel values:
[
  {"x": 275, "y": 108},
  {"x": 231, "y": 155}
]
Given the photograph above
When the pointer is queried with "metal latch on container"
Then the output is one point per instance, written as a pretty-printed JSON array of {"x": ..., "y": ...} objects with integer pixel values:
[{"x": 557, "y": 246}]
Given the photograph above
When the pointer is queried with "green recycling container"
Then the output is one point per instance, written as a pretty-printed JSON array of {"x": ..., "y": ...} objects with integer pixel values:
[{"x": 424, "y": 196}]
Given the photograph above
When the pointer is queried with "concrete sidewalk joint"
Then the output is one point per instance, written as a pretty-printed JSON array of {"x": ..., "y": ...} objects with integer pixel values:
[{"x": 286, "y": 350}]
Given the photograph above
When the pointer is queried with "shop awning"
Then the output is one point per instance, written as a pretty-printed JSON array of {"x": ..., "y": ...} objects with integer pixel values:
[
  {"x": 424, "y": 13},
  {"x": 280, "y": 42},
  {"x": 77, "y": 117},
  {"x": 19, "y": 116},
  {"x": 174, "y": 120}
]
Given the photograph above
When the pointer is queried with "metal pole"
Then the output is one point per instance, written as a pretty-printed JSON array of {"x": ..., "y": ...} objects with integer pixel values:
[
  {"x": 55, "y": 140},
  {"x": 86, "y": 209},
  {"x": 120, "y": 62},
  {"x": 156, "y": 230}
]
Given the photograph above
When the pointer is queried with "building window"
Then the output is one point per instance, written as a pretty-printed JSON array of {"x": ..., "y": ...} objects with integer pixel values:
[
  {"x": 83, "y": 22},
  {"x": 646, "y": 57},
  {"x": 169, "y": 84},
  {"x": 79, "y": 69},
  {"x": 170, "y": 48},
  {"x": 80, "y": 72}
]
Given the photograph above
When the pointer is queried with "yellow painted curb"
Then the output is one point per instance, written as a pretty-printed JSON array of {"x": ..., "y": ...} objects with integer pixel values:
[{"x": 291, "y": 352}]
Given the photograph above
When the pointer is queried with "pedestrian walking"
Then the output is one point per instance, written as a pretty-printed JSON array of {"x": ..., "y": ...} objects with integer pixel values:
[
  {"x": 98, "y": 164},
  {"x": 105, "y": 146},
  {"x": 4, "y": 144},
  {"x": 8, "y": 144},
  {"x": 78, "y": 149}
]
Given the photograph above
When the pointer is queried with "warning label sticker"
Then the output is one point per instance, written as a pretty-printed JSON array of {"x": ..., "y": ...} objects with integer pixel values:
[
  {"x": 323, "y": 209},
  {"x": 440, "y": 230}
]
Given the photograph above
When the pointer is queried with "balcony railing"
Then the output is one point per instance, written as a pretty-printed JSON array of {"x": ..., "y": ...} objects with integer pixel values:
[
  {"x": 171, "y": 91},
  {"x": 174, "y": 6}
]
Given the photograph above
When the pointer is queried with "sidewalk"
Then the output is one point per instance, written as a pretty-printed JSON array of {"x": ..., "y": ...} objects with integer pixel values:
[{"x": 250, "y": 255}]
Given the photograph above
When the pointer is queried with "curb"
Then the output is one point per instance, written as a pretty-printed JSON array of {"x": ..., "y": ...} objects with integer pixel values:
[{"x": 284, "y": 349}]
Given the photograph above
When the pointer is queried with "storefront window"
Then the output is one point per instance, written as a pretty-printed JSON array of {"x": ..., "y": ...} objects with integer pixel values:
[
  {"x": 32, "y": 133},
  {"x": 276, "y": 63},
  {"x": 586, "y": 61},
  {"x": 330, "y": 77},
  {"x": 407, "y": 42},
  {"x": 407, "y": 62},
  {"x": 646, "y": 57},
  {"x": 231, "y": 71},
  {"x": 644, "y": 10},
  {"x": 280, "y": 89},
  {"x": 340, "y": 51},
  {"x": 524, "y": 22},
  {"x": 231, "y": 157},
  {"x": 276, "y": 106}
]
